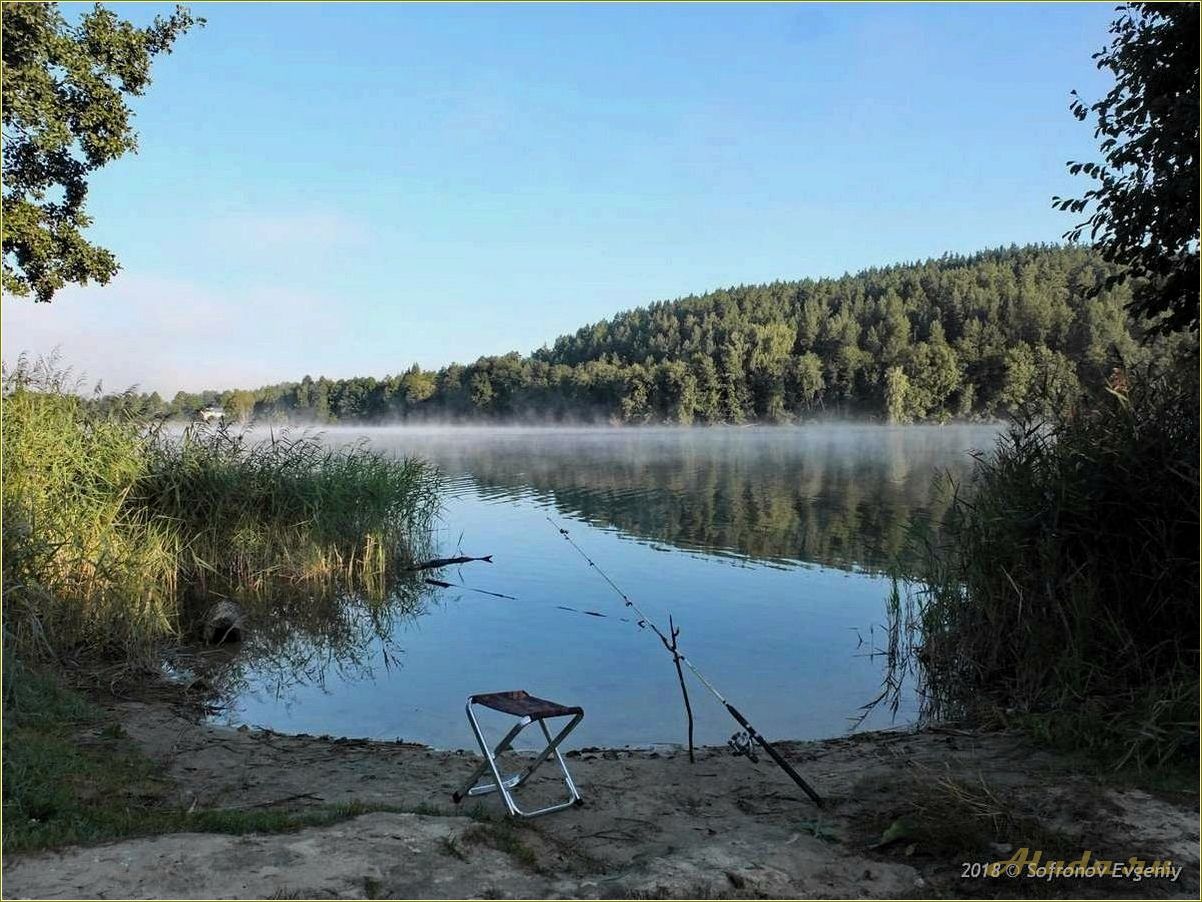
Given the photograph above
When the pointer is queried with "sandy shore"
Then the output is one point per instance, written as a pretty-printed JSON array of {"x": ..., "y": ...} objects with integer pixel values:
[{"x": 652, "y": 825}]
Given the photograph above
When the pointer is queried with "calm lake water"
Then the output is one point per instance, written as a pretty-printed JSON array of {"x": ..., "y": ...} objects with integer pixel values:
[{"x": 767, "y": 545}]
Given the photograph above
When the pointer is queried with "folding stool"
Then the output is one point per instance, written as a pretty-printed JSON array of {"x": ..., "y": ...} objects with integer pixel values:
[{"x": 529, "y": 709}]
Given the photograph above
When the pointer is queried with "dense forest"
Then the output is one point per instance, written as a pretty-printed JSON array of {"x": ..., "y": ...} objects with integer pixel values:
[{"x": 953, "y": 337}]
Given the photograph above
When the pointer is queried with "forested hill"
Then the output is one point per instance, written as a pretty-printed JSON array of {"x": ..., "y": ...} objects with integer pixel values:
[{"x": 949, "y": 337}]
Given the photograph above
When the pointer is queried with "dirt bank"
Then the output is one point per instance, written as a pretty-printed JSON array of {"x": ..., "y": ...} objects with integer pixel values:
[{"x": 905, "y": 812}]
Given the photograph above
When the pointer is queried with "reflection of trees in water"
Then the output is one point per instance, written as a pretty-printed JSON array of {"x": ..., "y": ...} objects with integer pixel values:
[
  {"x": 845, "y": 498},
  {"x": 305, "y": 638}
]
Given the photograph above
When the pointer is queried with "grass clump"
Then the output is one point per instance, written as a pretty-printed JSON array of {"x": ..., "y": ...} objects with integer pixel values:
[
  {"x": 285, "y": 508},
  {"x": 952, "y": 817},
  {"x": 938, "y": 822},
  {"x": 1064, "y": 598},
  {"x": 504, "y": 837},
  {"x": 107, "y": 525},
  {"x": 72, "y": 776},
  {"x": 80, "y": 567},
  {"x": 110, "y": 529}
]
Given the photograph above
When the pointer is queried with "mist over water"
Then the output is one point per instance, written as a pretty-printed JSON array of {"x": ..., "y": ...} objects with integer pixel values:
[{"x": 767, "y": 544}]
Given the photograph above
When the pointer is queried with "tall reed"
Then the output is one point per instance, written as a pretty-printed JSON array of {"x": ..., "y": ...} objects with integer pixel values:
[
  {"x": 108, "y": 526},
  {"x": 1065, "y": 593},
  {"x": 255, "y": 510},
  {"x": 80, "y": 567}
]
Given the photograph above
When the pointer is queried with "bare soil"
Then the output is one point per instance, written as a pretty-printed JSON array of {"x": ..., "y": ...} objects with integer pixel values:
[{"x": 905, "y": 812}]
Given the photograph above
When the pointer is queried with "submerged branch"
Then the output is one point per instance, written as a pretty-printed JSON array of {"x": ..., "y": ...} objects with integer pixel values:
[{"x": 447, "y": 562}]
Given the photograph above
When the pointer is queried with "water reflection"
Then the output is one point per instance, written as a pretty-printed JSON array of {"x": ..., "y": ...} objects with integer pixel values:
[
  {"x": 765, "y": 544},
  {"x": 838, "y": 496},
  {"x": 314, "y": 639}
]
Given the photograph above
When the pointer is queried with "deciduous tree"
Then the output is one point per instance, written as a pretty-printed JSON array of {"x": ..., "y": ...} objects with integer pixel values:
[
  {"x": 64, "y": 116},
  {"x": 1143, "y": 208}
]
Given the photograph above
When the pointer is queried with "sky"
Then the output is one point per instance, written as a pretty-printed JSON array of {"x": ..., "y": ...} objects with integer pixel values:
[{"x": 348, "y": 189}]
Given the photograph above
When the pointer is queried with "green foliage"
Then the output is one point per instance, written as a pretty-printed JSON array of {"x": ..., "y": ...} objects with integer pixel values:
[
  {"x": 1144, "y": 203},
  {"x": 72, "y": 776},
  {"x": 238, "y": 404},
  {"x": 65, "y": 116},
  {"x": 1018, "y": 380},
  {"x": 978, "y": 336},
  {"x": 1064, "y": 596},
  {"x": 284, "y": 508},
  {"x": 897, "y": 387},
  {"x": 107, "y": 525},
  {"x": 79, "y": 565}
]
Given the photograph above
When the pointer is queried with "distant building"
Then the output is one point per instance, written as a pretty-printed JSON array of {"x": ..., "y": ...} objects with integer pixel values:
[{"x": 210, "y": 413}]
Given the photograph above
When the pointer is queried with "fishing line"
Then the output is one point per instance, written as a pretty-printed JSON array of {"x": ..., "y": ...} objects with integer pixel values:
[{"x": 752, "y": 732}]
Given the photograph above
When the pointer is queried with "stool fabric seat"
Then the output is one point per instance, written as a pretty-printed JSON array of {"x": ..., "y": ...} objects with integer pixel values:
[
  {"x": 521, "y": 703},
  {"x": 528, "y": 709}
]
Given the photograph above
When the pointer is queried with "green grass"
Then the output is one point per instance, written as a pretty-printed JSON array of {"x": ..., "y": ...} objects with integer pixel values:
[
  {"x": 259, "y": 510},
  {"x": 1063, "y": 598},
  {"x": 79, "y": 567},
  {"x": 503, "y": 836},
  {"x": 109, "y": 526},
  {"x": 111, "y": 529},
  {"x": 72, "y": 776}
]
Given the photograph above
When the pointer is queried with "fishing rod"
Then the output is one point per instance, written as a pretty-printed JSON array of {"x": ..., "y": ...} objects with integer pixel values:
[{"x": 751, "y": 731}]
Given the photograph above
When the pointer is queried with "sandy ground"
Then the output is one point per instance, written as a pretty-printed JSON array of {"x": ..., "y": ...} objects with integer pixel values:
[{"x": 652, "y": 824}]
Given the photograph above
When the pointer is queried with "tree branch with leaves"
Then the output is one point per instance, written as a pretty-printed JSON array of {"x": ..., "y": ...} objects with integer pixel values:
[
  {"x": 64, "y": 116},
  {"x": 1143, "y": 208}
]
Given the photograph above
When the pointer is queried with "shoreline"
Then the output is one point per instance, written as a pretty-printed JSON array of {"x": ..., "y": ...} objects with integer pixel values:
[{"x": 904, "y": 811}]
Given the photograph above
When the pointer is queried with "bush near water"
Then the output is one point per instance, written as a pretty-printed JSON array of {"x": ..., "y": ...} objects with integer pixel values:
[
  {"x": 1063, "y": 596},
  {"x": 108, "y": 525},
  {"x": 109, "y": 528}
]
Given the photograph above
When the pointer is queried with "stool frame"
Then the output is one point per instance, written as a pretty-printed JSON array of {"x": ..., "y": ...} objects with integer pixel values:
[{"x": 505, "y": 784}]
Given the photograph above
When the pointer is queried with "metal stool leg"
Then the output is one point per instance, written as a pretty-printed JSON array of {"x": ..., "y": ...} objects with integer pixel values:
[
  {"x": 563, "y": 765},
  {"x": 470, "y": 788},
  {"x": 503, "y": 784},
  {"x": 552, "y": 747}
]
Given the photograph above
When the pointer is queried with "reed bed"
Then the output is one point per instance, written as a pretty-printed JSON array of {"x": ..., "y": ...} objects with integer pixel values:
[
  {"x": 255, "y": 511},
  {"x": 109, "y": 527},
  {"x": 1064, "y": 594},
  {"x": 79, "y": 566}
]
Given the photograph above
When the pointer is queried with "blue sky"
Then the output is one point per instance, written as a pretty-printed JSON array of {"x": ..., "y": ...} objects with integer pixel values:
[{"x": 348, "y": 189}]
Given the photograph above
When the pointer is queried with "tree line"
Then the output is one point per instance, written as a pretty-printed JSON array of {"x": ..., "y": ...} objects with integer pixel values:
[{"x": 957, "y": 337}]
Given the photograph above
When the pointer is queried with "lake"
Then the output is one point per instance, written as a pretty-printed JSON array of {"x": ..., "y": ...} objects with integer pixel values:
[{"x": 769, "y": 546}]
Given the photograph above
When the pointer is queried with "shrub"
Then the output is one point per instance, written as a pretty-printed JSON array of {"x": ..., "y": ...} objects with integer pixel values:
[
  {"x": 1065, "y": 594},
  {"x": 107, "y": 526}
]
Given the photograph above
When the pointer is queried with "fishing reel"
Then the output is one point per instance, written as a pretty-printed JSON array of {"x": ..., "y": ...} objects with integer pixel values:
[{"x": 741, "y": 744}]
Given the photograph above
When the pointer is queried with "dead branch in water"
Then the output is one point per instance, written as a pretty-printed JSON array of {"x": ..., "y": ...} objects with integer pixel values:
[{"x": 447, "y": 562}]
